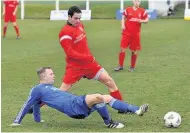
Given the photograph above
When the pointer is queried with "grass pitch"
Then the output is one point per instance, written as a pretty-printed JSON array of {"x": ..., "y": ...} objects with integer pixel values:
[{"x": 162, "y": 77}]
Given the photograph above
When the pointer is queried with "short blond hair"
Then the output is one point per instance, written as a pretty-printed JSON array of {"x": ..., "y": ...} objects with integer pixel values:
[{"x": 41, "y": 71}]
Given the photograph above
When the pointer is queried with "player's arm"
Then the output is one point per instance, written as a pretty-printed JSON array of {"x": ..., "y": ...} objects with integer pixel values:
[
  {"x": 32, "y": 99},
  {"x": 123, "y": 22},
  {"x": 123, "y": 19},
  {"x": 145, "y": 18},
  {"x": 15, "y": 11},
  {"x": 66, "y": 42},
  {"x": 36, "y": 112},
  {"x": 16, "y": 8},
  {"x": 4, "y": 9}
]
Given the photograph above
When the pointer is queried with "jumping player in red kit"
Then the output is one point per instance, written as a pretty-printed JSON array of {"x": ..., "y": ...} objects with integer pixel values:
[
  {"x": 9, "y": 13},
  {"x": 80, "y": 61},
  {"x": 131, "y": 24}
]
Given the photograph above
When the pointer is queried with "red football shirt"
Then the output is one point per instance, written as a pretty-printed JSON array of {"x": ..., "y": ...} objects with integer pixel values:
[
  {"x": 132, "y": 16},
  {"x": 74, "y": 42},
  {"x": 10, "y": 6}
]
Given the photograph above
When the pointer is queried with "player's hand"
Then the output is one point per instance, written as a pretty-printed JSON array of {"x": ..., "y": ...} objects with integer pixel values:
[
  {"x": 15, "y": 125},
  {"x": 3, "y": 14},
  {"x": 14, "y": 13},
  {"x": 139, "y": 21},
  {"x": 123, "y": 27}
]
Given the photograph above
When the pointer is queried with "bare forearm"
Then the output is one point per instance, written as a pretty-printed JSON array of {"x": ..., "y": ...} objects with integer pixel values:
[
  {"x": 3, "y": 8},
  {"x": 123, "y": 21},
  {"x": 15, "y": 11},
  {"x": 145, "y": 20}
]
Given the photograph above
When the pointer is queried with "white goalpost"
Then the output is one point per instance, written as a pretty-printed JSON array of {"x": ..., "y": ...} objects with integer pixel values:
[
  {"x": 187, "y": 10},
  {"x": 22, "y": 9}
]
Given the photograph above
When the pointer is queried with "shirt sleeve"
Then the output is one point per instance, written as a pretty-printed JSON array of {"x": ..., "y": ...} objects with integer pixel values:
[
  {"x": 32, "y": 99},
  {"x": 36, "y": 112},
  {"x": 144, "y": 14},
  {"x": 66, "y": 41}
]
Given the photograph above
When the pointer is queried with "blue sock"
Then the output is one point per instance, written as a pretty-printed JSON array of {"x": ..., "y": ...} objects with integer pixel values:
[
  {"x": 103, "y": 111},
  {"x": 123, "y": 106}
]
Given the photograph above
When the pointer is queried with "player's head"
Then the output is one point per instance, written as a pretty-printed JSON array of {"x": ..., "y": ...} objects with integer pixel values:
[
  {"x": 74, "y": 15},
  {"x": 136, "y": 3},
  {"x": 46, "y": 75}
]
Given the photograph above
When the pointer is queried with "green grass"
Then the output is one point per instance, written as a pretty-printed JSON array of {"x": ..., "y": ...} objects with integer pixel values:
[{"x": 161, "y": 79}]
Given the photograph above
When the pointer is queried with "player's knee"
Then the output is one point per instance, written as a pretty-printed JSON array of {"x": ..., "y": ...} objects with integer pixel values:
[
  {"x": 14, "y": 23},
  {"x": 122, "y": 50},
  {"x": 109, "y": 81},
  {"x": 6, "y": 24},
  {"x": 98, "y": 98},
  {"x": 134, "y": 52}
]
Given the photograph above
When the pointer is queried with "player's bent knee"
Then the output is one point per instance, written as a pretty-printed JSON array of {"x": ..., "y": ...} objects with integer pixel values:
[
  {"x": 94, "y": 99},
  {"x": 99, "y": 97}
]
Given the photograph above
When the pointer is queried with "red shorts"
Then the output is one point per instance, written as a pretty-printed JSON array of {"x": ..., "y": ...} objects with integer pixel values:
[
  {"x": 8, "y": 18},
  {"x": 130, "y": 41},
  {"x": 73, "y": 74}
]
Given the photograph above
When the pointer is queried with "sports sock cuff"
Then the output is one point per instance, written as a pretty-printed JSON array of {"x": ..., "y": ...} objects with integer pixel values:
[
  {"x": 99, "y": 105},
  {"x": 112, "y": 101}
]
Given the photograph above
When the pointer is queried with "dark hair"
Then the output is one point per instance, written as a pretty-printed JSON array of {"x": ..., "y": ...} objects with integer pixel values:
[
  {"x": 74, "y": 9},
  {"x": 41, "y": 70}
]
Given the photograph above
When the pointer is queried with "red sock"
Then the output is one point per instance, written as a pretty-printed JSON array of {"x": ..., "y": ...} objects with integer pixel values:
[
  {"x": 17, "y": 30},
  {"x": 133, "y": 60},
  {"x": 116, "y": 94},
  {"x": 4, "y": 30},
  {"x": 121, "y": 58}
]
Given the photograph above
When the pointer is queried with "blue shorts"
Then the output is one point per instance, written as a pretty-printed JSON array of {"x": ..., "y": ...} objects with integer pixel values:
[{"x": 78, "y": 108}]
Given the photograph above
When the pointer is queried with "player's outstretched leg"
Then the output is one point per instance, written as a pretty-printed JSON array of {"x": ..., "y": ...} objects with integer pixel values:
[
  {"x": 109, "y": 82},
  {"x": 125, "y": 107}
]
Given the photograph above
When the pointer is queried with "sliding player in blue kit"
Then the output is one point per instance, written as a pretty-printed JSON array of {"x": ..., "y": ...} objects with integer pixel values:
[{"x": 78, "y": 107}]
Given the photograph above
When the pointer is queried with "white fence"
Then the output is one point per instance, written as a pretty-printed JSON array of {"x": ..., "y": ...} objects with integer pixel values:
[{"x": 160, "y": 5}]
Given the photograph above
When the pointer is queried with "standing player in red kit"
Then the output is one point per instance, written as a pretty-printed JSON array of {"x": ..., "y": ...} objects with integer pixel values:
[
  {"x": 9, "y": 12},
  {"x": 80, "y": 61},
  {"x": 131, "y": 24}
]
